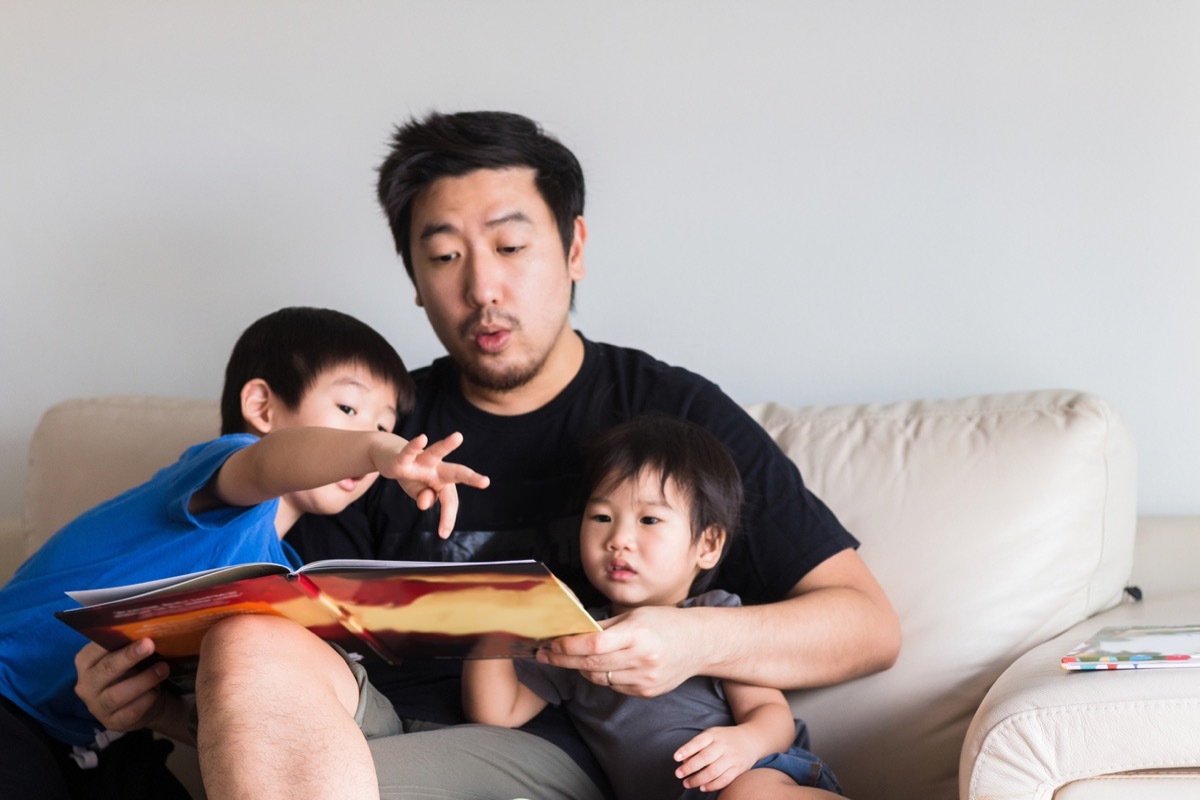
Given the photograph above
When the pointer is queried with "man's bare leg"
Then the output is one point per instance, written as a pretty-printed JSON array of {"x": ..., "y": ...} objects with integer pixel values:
[{"x": 276, "y": 715}]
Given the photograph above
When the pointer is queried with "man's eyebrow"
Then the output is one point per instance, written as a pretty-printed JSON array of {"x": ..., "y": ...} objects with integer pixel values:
[
  {"x": 512, "y": 216},
  {"x": 435, "y": 228}
]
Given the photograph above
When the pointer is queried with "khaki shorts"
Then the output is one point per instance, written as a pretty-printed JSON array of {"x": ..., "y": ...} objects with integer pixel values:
[
  {"x": 375, "y": 714},
  {"x": 417, "y": 760}
]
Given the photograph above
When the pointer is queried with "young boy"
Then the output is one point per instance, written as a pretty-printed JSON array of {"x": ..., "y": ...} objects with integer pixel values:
[
  {"x": 309, "y": 403},
  {"x": 663, "y": 500}
]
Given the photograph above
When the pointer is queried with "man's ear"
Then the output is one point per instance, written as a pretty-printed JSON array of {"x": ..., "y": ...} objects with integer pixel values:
[
  {"x": 258, "y": 406},
  {"x": 575, "y": 266},
  {"x": 708, "y": 549},
  {"x": 420, "y": 303}
]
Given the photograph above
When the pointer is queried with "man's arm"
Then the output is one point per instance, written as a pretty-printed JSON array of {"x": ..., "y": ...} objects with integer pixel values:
[{"x": 836, "y": 624}]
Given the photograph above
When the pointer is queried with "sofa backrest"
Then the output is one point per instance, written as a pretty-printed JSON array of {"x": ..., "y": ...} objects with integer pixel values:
[
  {"x": 993, "y": 523},
  {"x": 86, "y": 450}
]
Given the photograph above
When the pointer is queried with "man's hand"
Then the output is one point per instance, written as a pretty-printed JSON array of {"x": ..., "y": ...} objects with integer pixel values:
[
  {"x": 714, "y": 757},
  {"x": 645, "y": 653},
  {"x": 124, "y": 700},
  {"x": 425, "y": 476},
  {"x": 835, "y": 625}
]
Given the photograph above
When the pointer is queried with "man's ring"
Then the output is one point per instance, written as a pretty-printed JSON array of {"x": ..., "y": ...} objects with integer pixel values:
[{"x": 608, "y": 677}]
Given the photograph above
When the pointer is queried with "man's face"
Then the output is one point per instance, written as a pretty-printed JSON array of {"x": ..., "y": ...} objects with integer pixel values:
[{"x": 495, "y": 283}]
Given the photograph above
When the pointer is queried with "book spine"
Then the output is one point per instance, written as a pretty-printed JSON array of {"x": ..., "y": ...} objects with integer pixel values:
[{"x": 344, "y": 617}]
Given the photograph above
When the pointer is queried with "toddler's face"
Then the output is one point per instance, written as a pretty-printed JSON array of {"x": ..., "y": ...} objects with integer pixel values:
[
  {"x": 636, "y": 542},
  {"x": 351, "y": 398}
]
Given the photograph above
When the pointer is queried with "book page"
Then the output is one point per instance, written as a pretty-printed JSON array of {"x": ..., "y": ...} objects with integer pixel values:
[
  {"x": 476, "y": 610},
  {"x": 192, "y": 580}
]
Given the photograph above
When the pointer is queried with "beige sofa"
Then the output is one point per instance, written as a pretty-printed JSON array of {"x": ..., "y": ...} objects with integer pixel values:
[{"x": 1003, "y": 527}]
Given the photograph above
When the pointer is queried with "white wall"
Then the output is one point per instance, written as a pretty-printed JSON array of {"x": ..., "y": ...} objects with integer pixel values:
[{"x": 806, "y": 201}]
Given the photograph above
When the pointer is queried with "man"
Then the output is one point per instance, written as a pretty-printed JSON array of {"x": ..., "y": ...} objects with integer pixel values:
[{"x": 487, "y": 214}]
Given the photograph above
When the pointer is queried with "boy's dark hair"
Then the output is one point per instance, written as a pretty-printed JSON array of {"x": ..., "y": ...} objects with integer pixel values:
[
  {"x": 291, "y": 347},
  {"x": 681, "y": 451},
  {"x": 452, "y": 145}
]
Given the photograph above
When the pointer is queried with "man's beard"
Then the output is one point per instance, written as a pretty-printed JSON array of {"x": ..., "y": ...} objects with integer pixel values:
[
  {"x": 504, "y": 379},
  {"x": 479, "y": 373}
]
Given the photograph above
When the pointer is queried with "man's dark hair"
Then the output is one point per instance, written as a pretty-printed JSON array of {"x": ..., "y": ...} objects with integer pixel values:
[
  {"x": 291, "y": 347},
  {"x": 678, "y": 450},
  {"x": 452, "y": 145}
]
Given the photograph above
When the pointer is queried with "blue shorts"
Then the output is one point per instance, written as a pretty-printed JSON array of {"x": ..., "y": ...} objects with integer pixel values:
[
  {"x": 797, "y": 763},
  {"x": 802, "y": 767}
]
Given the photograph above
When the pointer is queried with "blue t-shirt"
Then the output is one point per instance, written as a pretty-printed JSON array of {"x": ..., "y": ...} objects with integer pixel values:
[{"x": 144, "y": 534}]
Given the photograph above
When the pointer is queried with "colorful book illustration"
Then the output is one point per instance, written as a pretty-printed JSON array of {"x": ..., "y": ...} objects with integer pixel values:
[
  {"x": 395, "y": 610},
  {"x": 1137, "y": 647}
]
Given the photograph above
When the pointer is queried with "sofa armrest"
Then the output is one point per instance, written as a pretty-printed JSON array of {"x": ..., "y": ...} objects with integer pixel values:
[{"x": 1040, "y": 727}]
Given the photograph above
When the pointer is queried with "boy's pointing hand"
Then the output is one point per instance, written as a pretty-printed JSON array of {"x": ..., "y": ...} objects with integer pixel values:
[{"x": 427, "y": 477}]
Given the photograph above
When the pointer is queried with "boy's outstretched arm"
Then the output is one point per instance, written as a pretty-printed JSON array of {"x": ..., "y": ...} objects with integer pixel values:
[
  {"x": 492, "y": 695},
  {"x": 764, "y": 725},
  {"x": 295, "y": 459}
]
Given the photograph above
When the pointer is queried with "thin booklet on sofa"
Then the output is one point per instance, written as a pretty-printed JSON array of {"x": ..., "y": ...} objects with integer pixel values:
[
  {"x": 393, "y": 609},
  {"x": 1137, "y": 647}
]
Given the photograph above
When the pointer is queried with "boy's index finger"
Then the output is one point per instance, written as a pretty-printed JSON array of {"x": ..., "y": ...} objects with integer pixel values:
[
  {"x": 467, "y": 476},
  {"x": 118, "y": 662},
  {"x": 136, "y": 652},
  {"x": 444, "y": 447}
]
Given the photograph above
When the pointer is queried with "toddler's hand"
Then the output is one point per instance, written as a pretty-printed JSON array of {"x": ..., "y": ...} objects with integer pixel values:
[{"x": 713, "y": 758}]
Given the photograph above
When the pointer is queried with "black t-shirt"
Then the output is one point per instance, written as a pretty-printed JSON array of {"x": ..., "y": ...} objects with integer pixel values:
[{"x": 533, "y": 507}]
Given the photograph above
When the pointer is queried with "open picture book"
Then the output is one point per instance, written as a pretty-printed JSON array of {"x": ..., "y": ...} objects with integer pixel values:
[
  {"x": 1137, "y": 647},
  {"x": 395, "y": 610}
]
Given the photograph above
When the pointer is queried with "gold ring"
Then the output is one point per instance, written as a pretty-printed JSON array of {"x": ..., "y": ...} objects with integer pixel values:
[{"x": 608, "y": 677}]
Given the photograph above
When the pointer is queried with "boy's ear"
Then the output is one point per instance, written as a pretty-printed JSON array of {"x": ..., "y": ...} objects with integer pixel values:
[
  {"x": 708, "y": 551},
  {"x": 258, "y": 406}
]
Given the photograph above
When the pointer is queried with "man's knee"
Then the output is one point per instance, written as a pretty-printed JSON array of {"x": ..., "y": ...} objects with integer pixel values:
[
  {"x": 252, "y": 658},
  {"x": 235, "y": 639}
]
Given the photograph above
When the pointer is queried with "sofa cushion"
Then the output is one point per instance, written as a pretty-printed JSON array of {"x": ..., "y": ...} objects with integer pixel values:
[{"x": 993, "y": 523}]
